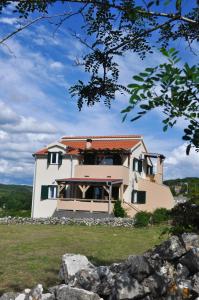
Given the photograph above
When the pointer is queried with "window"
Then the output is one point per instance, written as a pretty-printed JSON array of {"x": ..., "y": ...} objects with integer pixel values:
[
  {"x": 138, "y": 197},
  {"x": 54, "y": 158},
  {"x": 48, "y": 192},
  {"x": 137, "y": 165},
  {"x": 52, "y": 192},
  {"x": 149, "y": 170}
]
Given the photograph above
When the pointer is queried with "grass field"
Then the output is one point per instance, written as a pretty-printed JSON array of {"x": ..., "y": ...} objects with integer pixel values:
[{"x": 31, "y": 254}]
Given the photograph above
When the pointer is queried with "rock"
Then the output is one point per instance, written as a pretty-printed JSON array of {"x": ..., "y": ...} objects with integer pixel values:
[
  {"x": 182, "y": 271},
  {"x": 71, "y": 264},
  {"x": 127, "y": 287},
  {"x": 48, "y": 296},
  {"x": 107, "y": 280},
  {"x": 138, "y": 267},
  {"x": 156, "y": 284},
  {"x": 20, "y": 297},
  {"x": 86, "y": 279},
  {"x": 191, "y": 260},
  {"x": 195, "y": 283},
  {"x": 9, "y": 296},
  {"x": 190, "y": 240},
  {"x": 65, "y": 292},
  {"x": 170, "y": 249}
]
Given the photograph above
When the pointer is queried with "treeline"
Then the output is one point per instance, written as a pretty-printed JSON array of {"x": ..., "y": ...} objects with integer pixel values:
[
  {"x": 15, "y": 199},
  {"x": 188, "y": 186}
]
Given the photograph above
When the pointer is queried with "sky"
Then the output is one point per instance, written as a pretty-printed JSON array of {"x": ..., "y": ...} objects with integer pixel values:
[{"x": 36, "y": 70}]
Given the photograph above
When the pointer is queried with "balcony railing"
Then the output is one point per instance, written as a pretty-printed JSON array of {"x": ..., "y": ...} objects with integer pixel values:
[{"x": 103, "y": 171}]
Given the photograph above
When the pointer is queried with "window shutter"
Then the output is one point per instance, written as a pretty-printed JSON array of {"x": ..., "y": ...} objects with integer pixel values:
[
  {"x": 60, "y": 158},
  {"x": 44, "y": 192},
  {"x": 140, "y": 165},
  {"x": 49, "y": 156},
  {"x": 134, "y": 161},
  {"x": 141, "y": 197}
]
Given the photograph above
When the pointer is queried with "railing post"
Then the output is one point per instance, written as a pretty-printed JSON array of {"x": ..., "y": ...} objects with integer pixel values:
[{"x": 109, "y": 199}]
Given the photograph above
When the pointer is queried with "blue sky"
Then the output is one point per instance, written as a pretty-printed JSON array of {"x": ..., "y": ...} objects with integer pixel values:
[{"x": 36, "y": 70}]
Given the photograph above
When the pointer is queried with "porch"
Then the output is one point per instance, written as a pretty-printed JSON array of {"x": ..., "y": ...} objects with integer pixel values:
[{"x": 89, "y": 194}]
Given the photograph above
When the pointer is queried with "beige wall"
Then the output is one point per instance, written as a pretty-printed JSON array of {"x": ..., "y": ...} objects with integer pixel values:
[
  {"x": 102, "y": 171},
  {"x": 84, "y": 205},
  {"x": 157, "y": 195}
]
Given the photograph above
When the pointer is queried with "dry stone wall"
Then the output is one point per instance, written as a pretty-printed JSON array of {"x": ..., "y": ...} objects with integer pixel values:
[{"x": 170, "y": 271}]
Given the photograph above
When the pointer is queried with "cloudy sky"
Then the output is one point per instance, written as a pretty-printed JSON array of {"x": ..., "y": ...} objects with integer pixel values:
[{"x": 36, "y": 70}]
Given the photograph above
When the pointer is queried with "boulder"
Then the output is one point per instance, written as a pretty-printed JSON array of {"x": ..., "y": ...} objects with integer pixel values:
[
  {"x": 191, "y": 260},
  {"x": 9, "y": 296},
  {"x": 71, "y": 264},
  {"x": 86, "y": 279},
  {"x": 138, "y": 267},
  {"x": 195, "y": 283},
  {"x": 127, "y": 287},
  {"x": 64, "y": 292},
  {"x": 190, "y": 240},
  {"x": 156, "y": 285},
  {"x": 170, "y": 249}
]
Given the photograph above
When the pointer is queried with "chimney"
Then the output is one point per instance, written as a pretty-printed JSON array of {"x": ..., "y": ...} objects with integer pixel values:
[{"x": 88, "y": 144}]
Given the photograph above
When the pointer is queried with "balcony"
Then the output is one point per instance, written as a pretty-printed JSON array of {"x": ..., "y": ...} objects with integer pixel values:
[{"x": 103, "y": 171}]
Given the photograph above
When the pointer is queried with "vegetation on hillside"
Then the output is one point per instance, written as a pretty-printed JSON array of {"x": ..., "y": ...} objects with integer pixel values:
[
  {"x": 15, "y": 200},
  {"x": 188, "y": 187}
]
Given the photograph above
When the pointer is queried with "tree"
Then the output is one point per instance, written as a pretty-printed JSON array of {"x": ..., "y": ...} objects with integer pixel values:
[{"x": 113, "y": 28}]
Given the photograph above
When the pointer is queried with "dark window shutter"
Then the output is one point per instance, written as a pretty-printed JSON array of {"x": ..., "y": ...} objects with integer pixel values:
[
  {"x": 140, "y": 165},
  {"x": 133, "y": 196},
  {"x": 134, "y": 162},
  {"x": 60, "y": 158},
  {"x": 49, "y": 156},
  {"x": 44, "y": 192},
  {"x": 141, "y": 197}
]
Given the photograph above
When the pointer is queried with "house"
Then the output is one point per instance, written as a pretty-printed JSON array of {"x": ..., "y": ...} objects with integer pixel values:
[{"x": 89, "y": 173}]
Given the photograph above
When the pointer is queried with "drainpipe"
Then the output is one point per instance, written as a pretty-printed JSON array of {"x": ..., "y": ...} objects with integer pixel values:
[
  {"x": 109, "y": 198},
  {"x": 71, "y": 164}
]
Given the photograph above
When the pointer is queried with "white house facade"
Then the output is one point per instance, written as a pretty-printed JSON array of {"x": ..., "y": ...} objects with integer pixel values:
[{"x": 89, "y": 173}]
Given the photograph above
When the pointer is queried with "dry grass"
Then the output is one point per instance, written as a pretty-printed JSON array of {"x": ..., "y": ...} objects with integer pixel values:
[{"x": 31, "y": 254}]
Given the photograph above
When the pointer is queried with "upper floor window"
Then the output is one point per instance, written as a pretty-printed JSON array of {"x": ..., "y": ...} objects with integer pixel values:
[
  {"x": 102, "y": 159},
  {"x": 137, "y": 165},
  {"x": 149, "y": 170},
  {"x": 54, "y": 158}
]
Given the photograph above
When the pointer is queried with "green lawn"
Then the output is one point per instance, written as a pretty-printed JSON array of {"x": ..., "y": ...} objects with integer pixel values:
[{"x": 31, "y": 254}]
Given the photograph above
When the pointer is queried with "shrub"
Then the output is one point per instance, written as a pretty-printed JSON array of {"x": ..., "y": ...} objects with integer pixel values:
[
  {"x": 142, "y": 218},
  {"x": 185, "y": 218},
  {"x": 160, "y": 215},
  {"x": 118, "y": 210}
]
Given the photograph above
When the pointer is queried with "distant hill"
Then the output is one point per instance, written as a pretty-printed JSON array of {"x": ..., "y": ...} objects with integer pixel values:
[
  {"x": 15, "y": 197},
  {"x": 188, "y": 186}
]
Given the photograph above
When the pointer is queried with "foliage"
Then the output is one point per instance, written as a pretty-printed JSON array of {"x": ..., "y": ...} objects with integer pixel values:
[
  {"x": 118, "y": 210},
  {"x": 142, "y": 218},
  {"x": 15, "y": 197},
  {"x": 185, "y": 218},
  {"x": 187, "y": 186},
  {"x": 160, "y": 215},
  {"x": 173, "y": 89},
  {"x": 14, "y": 213},
  {"x": 114, "y": 28}
]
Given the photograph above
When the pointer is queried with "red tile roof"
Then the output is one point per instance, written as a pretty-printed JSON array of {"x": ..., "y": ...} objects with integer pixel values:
[
  {"x": 84, "y": 137},
  {"x": 115, "y": 142}
]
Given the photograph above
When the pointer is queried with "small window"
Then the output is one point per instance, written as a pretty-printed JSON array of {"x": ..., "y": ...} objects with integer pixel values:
[
  {"x": 54, "y": 158},
  {"x": 149, "y": 170},
  {"x": 138, "y": 197},
  {"x": 52, "y": 192},
  {"x": 137, "y": 165}
]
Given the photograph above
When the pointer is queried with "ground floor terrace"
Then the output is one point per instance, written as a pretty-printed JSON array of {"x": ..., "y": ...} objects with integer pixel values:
[{"x": 89, "y": 194}]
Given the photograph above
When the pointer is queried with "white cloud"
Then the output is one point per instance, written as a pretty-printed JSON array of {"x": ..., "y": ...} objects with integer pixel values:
[
  {"x": 8, "y": 21},
  {"x": 56, "y": 65}
]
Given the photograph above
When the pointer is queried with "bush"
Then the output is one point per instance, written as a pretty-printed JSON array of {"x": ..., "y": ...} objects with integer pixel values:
[
  {"x": 142, "y": 218},
  {"x": 15, "y": 213},
  {"x": 160, "y": 215},
  {"x": 118, "y": 210},
  {"x": 185, "y": 218}
]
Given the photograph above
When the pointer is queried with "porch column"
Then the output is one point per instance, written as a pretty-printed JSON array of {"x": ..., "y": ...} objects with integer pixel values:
[
  {"x": 109, "y": 199},
  {"x": 61, "y": 187},
  {"x": 84, "y": 188},
  {"x": 121, "y": 192}
]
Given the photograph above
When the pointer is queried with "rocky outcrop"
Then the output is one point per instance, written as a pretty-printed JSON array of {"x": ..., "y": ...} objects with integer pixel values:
[{"x": 168, "y": 272}]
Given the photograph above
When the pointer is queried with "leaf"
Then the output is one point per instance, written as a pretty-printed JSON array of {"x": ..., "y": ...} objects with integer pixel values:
[
  {"x": 133, "y": 85},
  {"x": 165, "y": 128},
  {"x": 186, "y": 138},
  {"x": 145, "y": 106},
  {"x": 136, "y": 118},
  {"x": 138, "y": 78},
  {"x": 188, "y": 149},
  {"x": 178, "y": 4}
]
